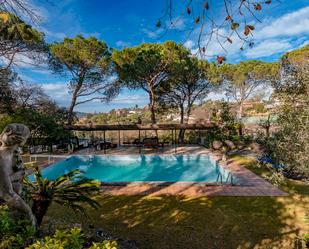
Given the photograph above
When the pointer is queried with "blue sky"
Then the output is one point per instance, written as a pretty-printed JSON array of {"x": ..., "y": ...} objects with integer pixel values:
[{"x": 122, "y": 23}]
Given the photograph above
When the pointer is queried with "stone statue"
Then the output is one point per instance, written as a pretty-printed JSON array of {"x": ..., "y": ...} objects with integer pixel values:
[{"x": 12, "y": 169}]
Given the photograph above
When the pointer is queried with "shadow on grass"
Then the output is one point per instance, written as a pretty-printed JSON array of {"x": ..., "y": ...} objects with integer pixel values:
[{"x": 179, "y": 222}]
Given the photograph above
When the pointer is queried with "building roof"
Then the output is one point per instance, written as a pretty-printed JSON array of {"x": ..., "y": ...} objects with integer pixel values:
[{"x": 117, "y": 127}]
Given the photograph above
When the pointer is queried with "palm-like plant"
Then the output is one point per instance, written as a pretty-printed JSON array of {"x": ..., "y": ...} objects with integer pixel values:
[{"x": 71, "y": 190}]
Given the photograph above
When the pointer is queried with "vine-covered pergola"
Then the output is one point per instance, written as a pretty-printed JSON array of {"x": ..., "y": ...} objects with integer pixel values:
[{"x": 139, "y": 127}]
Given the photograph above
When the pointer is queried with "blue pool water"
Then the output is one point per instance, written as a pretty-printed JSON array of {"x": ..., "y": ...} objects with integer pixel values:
[{"x": 167, "y": 168}]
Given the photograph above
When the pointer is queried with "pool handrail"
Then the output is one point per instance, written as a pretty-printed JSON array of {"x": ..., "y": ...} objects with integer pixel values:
[
  {"x": 51, "y": 158},
  {"x": 219, "y": 176},
  {"x": 229, "y": 176}
]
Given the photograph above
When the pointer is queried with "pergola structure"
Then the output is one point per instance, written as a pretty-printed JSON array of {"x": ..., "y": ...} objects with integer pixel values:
[{"x": 139, "y": 127}]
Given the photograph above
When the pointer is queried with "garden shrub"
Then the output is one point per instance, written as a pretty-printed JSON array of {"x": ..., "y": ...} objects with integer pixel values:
[
  {"x": 259, "y": 108},
  {"x": 106, "y": 244},
  {"x": 229, "y": 128},
  {"x": 19, "y": 233},
  {"x": 69, "y": 239},
  {"x": 14, "y": 234},
  {"x": 276, "y": 177},
  {"x": 291, "y": 146}
]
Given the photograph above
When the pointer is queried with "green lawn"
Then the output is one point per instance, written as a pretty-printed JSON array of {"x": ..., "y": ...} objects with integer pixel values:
[{"x": 218, "y": 222}]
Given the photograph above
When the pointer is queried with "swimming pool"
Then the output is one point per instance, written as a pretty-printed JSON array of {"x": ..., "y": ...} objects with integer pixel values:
[{"x": 143, "y": 168}]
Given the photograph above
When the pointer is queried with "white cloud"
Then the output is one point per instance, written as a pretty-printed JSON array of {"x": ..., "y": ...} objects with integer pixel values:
[
  {"x": 219, "y": 46},
  {"x": 215, "y": 48},
  {"x": 152, "y": 34},
  {"x": 189, "y": 44},
  {"x": 53, "y": 35},
  {"x": 41, "y": 69},
  {"x": 131, "y": 99},
  {"x": 270, "y": 38},
  {"x": 29, "y": 60},
  {"x": 268, "y": 48},
  {"x": 292, "y": 24},
  {"x": 54, "y": 87},
  {"x": 25, "y": 77},
  {"x": 177, "y": 23},
  {"x": 57, "y": 91},
  {"x": 122, "y": 44}
]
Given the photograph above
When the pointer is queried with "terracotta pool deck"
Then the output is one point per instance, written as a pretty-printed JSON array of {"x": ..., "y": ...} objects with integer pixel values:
[{"x": 251, "y": 184}]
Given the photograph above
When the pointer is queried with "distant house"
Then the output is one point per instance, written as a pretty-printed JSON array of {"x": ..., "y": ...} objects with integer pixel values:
[
  {"x": 121, "y": 112},
  {"x": 248, "y": 105},
  {"x": 273, "y": 105},
  {"x": 83, "y": 120},
  {"x": 178, "y": 118}
]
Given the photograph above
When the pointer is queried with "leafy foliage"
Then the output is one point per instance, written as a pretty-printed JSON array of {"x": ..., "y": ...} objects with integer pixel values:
[
  {"x": 298, "y": 58},
  {"x": 190, "y": 79},
  {"x": 227, "y": 120},
  {"x": 18, "y": 37},
  {"x": 18, "y": 94},
  {"x": 293, "y": 138},
  {"x": 87, "y": 61},
  {"x": 19, "y": 233},
  {"x": 292, "y": 141},
  {"x": 14, "y": 234},
  {"x": 106, "y": 244},
  {"x": 69, "y": 239},
  {"x": 21, "y": 102},
  {"x": 42, "y": 125},
  {"x": 243, "y": 80},
  {"x": 13, "y": 28},
  {"x": 147, "y": 67},
  {"x": 227, "y": 125},
  {"x": 71, "y": 190},
  {"x": 7, "y": 101},
  {"x": 267, "y": 124}
]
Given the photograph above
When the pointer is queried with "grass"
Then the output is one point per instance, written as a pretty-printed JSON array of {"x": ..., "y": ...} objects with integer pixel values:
[{"x": 218, "y": 222}]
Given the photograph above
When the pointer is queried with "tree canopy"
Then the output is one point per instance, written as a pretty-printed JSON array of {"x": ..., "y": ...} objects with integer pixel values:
[
  {"x": 18, "y": 37},
  {"x": 244, "y": 79},
  {"x": 7, "y": 100},
  {"x": 292, "y": 140},
  {"x": 191, "y": 79},
  {"x": 87, "y": 61},
  {"x": 298, "y": 57},
  {"x": 147, "y": 67}
]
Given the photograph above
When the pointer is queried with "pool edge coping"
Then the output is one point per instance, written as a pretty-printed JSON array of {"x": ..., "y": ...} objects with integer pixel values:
[{"x": 257, "y": 187}]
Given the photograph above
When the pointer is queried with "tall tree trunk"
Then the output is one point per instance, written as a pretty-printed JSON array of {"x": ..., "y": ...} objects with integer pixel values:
[
  {"x": 240, "y": 110},
  {"x": 71, "y": 109},
  {"x": 181, "y": 134},
  {"x": 185, "y": 121},
  {"x": 188, "y": 114},
  {"x": 182, "y": 114},
  {"x": 239, "y": 118},
  {"x": 267, "y": 128},
  {"x": 152, "y": 106},
  {"x": 78, "y": 86}
]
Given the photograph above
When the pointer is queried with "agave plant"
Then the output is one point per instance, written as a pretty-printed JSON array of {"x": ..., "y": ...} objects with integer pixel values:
[{"x": 70, "y": 190}]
